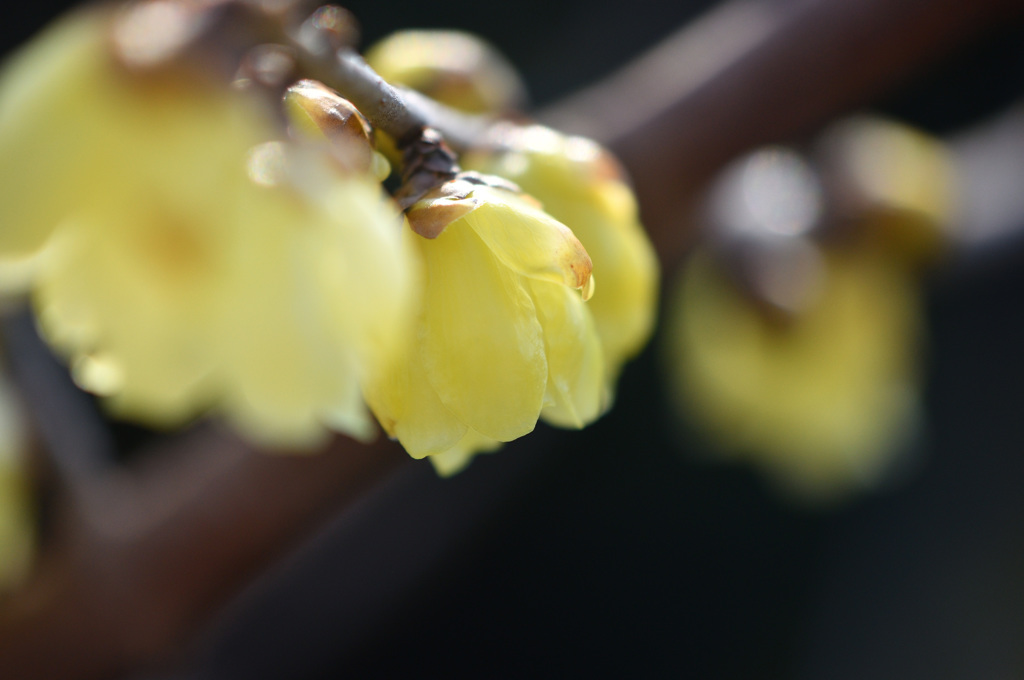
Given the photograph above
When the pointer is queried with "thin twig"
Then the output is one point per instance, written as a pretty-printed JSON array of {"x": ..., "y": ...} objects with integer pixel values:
[
  {"x": 381, "y": 103},
  {"x": 463, "y": 131}
]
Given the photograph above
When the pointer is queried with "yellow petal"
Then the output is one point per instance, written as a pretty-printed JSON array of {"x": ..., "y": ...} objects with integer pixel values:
[
  {"x": 82, "y": 303},
  {"x": 409, "y": 409},
  {"x": 296, "y": 341},
  {"x": 578, "y": 186},
  {"x": 575, "y": 364},
  {"x": 367, "y": 265},
  {"x": 455, "y": 459},
  {"x": 625, "y": 308},
  {"x": 174, "y": 283},
  {"x": 276, "y": 356},
  {"x": 527, "y": 240},
  {"x": 483, "y": 345}
]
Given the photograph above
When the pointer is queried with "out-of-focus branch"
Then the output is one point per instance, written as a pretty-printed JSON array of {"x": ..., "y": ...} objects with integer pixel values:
[
  {"x": 144, "y": 556},
  {"x": 990, "y": 160},
  {"x": 753, "y": 72}
]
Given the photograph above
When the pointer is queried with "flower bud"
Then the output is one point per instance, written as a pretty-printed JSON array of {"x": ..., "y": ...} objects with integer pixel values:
[
  {"x": 454, "y": 68},
  {"x": 318, "y": 112}
]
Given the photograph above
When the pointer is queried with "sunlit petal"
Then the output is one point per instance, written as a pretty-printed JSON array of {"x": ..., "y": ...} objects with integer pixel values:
[
  {"x": 456, "y": 458},
  {"x": 409, "y": 409},
  {"x": 580, "y": 185},
  {"x": 483, "y": 345},
  {"x": 575, "y": 364},
  {"x": 529, "y": 241}
]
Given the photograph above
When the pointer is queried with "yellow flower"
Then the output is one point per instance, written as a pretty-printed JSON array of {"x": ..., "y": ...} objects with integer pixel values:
[
  {"x": 822, "y": 401},
  {"x": 580, "y": 185},
  {"x": 504, "y": 336},
  {"x": 188, "y": 265}
]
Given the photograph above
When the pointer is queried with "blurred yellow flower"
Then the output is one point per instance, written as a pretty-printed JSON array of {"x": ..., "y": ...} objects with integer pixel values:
[
  {"x": 504, "y": 337},
  {"x": 580, "y": 185},
  {"x": 187, "y": 263},
  {"x": 822, "y": 400},
  {"x": 897, "y": 183}
]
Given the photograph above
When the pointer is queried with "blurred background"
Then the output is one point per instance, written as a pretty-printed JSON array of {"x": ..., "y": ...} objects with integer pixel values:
[{"x": 635, "y": 548}]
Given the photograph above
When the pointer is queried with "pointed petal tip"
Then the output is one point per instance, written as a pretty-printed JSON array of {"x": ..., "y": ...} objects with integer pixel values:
[
  {"x": 587, "y": 290},
  {"x": 580, "y": 265}
]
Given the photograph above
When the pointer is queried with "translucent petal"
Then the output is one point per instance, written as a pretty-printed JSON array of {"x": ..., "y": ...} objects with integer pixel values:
[
  {"x": 482, "y": 341},
  {"x": 574, "y": 182},
  {"x": 409, "y": 409},
  {"x": 575, "y": 363},
  {"x": 625, "y": 307},
  {"x": 604, "y": 218},
  {"x": 457, "y": 69},
  {"x": 124, "y": 132},
  {"x": 527, "y": 240},
  {"x": 455, "y": 459}
]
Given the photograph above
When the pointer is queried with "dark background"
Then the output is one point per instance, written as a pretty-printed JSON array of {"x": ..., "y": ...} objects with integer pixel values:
[{"x": 621, "y": 551}]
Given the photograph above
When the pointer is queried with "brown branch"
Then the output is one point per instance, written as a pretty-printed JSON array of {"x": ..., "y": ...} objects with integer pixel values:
[
  {"x": 426, "y": 159},
  {"x": 323, "y": 56},
  {"x": 155, "y": 550}
]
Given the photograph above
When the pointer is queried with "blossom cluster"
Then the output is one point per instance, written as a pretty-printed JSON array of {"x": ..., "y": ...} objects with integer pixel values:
[{"x": 195, "y": 245}]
